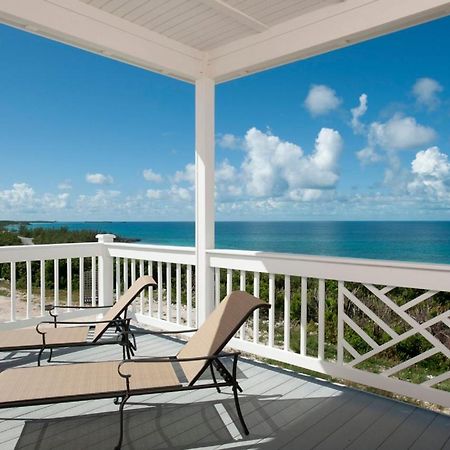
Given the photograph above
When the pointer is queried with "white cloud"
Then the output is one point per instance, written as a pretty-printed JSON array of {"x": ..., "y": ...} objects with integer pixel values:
[
  {"x": 400, "y": 133},
  {"x": 426, "y": 91},
  {"x": 99, "y": 178},
  {"x": 22, "y": 198},
  {"x": 431, "y": 170},
  {"x": 229, "y": 141},
  {"x": 357, "y": 113},
  {"x": 65, "y": 185},
  {"x": 321, "y": 100},
  {"x": 150, "y": 175},
  {"x": 102, "y": 199},
  {"x": 368, "y": 155},
  {"x": 273, "y": 167},
  {"x": 187, "y": 174},
  {"x": 154, "y": 194},
  {"x": 178, "y": 193},
  {"x": 226, "y": 172}
]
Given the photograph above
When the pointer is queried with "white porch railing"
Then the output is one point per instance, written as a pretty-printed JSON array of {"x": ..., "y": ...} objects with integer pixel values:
[{"x": 379, "y": 323}]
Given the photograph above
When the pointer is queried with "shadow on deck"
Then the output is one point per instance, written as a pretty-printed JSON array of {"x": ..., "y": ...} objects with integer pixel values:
[{"x": 282, "y": 410}]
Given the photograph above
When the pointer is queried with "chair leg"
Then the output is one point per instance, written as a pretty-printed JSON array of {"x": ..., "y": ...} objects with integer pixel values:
[
  {"x": 50, "y": 356},
  {"x": 238, "y": 409},
  {"x": 40, "y": 356},
  {"x": 122, "y": 405},
  {"x": 214, "y": 377}
]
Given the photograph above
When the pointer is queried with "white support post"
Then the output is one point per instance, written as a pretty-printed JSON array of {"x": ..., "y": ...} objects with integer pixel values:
[
  {"x": 105, "y": 271},
  {"x": 204, "y": 195}
]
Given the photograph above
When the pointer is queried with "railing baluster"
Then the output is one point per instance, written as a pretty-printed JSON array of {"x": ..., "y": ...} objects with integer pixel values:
[
  {"x": 160, "y": 281},
  {"x": 287, "y": 312},
  {"x": 125, "y": 274},
  {"x": 141, "y": 273},
  {"x": 94, "y": 281},
  {"x": 242, "y": 285},
  {"x": 189, "y": 294},
  {"x": 178, "y": 292},
  {"x": 133, "y": 271},
  {"x": 150, "y": 289},
  {"x": 217, "y": 285},
  {"x": 69, "y": 281},
  {"x": 42, "y": 286},
  {"x": 13, "y": 292},
  {"x": 321, "y": 319},
  {"x": 256, "y": 313},
  {"x": 81, "y": 282},
  {"x": 340, "y": 318},
  {"x": 229, "y": 281},
  {"x": 118, "y": 279},
  {"x": 272, "y": 309},
  {"x": 29, "y": 289},
  {"x": 304, "y": 316},
  {"x": 56, "y": 282},
  {"x": 168, "y": 291}
]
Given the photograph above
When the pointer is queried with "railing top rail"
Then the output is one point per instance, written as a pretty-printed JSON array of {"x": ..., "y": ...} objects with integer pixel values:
[
  {"x": 383, "y": 272},
  {"x": 18, "y": 253},
  {"x": 170, "y": 254},
  {"x": 329, "y": 259},
  {"x": 153, "y": 247}
]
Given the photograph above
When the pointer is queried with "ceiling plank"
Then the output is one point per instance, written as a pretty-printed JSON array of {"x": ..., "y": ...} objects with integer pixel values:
[
  {"x": 319, "y": 31},
  {"x": 84, "y": 26},
  {"x": 236, "y": 14}
]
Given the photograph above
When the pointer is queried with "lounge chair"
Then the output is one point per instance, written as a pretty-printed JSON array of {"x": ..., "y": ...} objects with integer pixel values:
[
  {"x": 123, "y": 379},
  {"x": 64, "y": 334}
]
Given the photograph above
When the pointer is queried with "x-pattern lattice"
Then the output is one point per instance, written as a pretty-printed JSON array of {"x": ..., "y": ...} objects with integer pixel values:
[{"x": 401, "y": 311}]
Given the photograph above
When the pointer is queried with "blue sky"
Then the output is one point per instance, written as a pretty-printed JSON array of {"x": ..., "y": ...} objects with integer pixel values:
[{"x": 359, "y": 133}]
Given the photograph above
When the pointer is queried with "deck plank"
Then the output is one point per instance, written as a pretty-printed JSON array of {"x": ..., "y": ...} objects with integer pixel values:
[{"x": 282, "y": 410}]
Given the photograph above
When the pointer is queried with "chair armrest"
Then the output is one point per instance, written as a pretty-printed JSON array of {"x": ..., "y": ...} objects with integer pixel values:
[
  {"x": 160, "y": 359},
  {"x": 137, "y": 333},
  {"x": 90, "y": 322}
]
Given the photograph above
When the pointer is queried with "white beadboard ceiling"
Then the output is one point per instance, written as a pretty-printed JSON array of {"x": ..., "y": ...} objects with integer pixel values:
[
  {"x": 215, "y": 39},
  {"x": 207, "y": 24}
]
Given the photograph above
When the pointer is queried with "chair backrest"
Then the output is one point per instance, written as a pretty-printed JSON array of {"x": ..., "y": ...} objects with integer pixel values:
[
  {"x": 123, "y": 303},
  {"x": 216, "y": 332}
]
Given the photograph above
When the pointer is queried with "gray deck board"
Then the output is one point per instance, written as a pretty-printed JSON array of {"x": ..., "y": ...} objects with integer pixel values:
[{"x": 282, "y": 410}]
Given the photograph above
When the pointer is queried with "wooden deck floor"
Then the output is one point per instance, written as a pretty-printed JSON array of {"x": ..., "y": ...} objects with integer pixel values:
[{"x": 283, "y": 411}]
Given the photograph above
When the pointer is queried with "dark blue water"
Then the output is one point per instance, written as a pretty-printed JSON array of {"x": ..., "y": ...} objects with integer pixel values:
[{"x": 405, "y": 241}]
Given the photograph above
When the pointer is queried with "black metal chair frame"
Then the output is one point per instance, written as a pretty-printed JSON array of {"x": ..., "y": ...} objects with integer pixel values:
[{"x": 229, "y": 380}]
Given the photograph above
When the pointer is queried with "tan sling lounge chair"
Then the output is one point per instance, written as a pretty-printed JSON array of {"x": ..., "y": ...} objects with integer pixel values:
[
  {"x": 64, "y": 334},
  {"x": 123, "y": 379}
]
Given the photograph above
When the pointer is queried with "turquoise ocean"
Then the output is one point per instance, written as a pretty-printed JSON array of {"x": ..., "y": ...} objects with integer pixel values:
[{"x": 404, "y": 241}]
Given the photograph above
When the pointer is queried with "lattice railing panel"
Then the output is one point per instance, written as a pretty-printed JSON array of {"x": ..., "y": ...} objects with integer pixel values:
[{"x": 410, "y": 328}]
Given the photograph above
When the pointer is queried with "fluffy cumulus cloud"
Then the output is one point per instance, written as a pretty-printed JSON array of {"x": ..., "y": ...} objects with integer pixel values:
[
  {"x": 321, "y": 100},
  {"x": 65, "y": 185},
  {"x": 368, "y": 155},
  {"x": 229, "y": 141},
  {"x": 22, "y": 198},
  {"x": 426, "y": 91},
  {"x": 357, "y": 113},
  {"x": 274, "y": 167},
  {"x": 99, "y": 178},
  {"x": 431, "y": 172},
  {"x": 152, "y": 176},
  {"x": 154, "y": 194},
  {"x": 185, "y": 175},
  {"x": 400, "y": 133}
]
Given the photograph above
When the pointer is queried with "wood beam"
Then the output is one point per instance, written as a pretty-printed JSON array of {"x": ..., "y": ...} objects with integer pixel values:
[
  {"x": 319, "y": 31},
  {"x": 89, "y": 28},
  {"x": 236, "y": 14}
]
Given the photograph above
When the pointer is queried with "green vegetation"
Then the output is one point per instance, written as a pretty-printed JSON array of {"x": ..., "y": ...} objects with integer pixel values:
[
  {"x": 408, "y": 348},
  {"x": 40, "y": 235}
]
